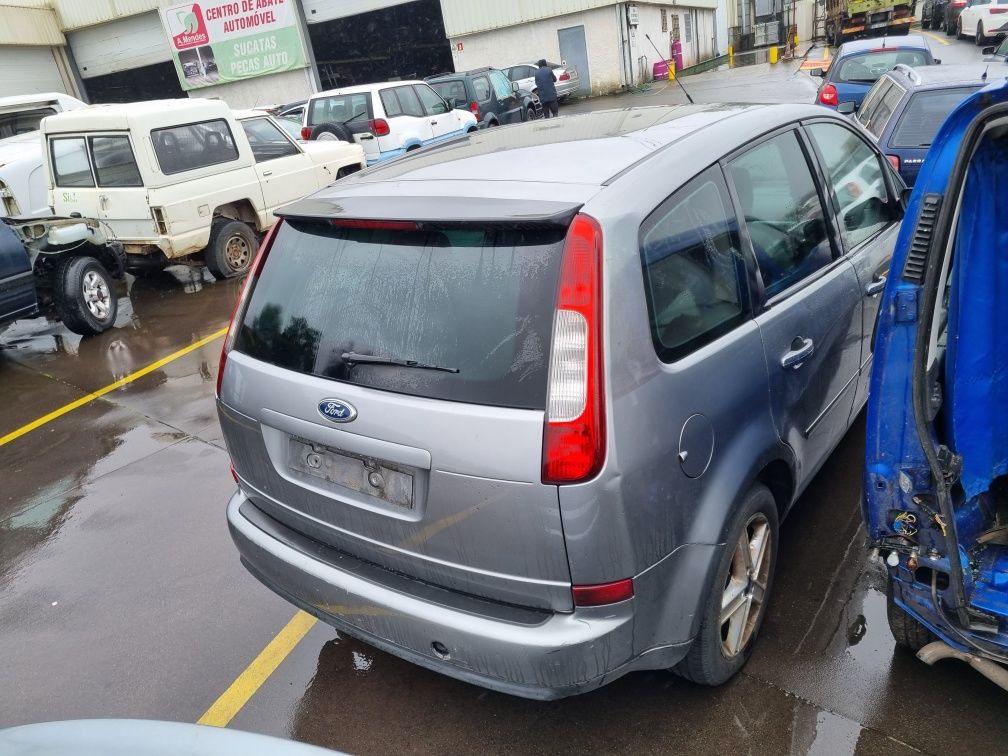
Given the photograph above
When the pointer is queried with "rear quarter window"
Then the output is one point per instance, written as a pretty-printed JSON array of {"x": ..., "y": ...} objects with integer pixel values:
[
  {"x": 195, "y": 145},
  {"x": 71, "y": 167},
  {"x": 472, "y": 299}
]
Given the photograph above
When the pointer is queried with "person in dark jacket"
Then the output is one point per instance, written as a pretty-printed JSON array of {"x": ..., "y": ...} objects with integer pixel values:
[{"x": 545, "y": 79}]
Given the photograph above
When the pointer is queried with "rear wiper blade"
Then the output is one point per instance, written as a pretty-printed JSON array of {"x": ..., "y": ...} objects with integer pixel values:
[{"x": 353, "y": 358}]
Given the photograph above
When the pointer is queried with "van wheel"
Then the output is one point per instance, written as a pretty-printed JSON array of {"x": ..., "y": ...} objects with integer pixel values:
[
  {"x": 332, "y": 131},
  {"x": 231, "y": 249},
  {"x": 907, "y": 631},
  {"x": 737, "y": 602},
  {"x": 84, "y": 296}
]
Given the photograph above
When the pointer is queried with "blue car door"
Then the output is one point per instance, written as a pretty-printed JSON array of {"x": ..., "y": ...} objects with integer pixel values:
[{"x": 17, "y": 281}]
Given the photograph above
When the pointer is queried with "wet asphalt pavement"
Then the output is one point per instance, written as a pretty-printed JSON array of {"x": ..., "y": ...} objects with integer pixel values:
[{"x": 121, "y": 594}]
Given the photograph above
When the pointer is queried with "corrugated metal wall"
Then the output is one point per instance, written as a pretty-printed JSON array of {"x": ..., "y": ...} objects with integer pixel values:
[
  {"x": 76, "y": 14},
  {"x": 120, "y": 45},
  {"x": 463, "y": 17},
  {"x": 30, "y": 24}
]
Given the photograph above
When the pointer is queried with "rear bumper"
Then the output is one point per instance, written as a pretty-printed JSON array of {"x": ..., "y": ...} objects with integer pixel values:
[
  {"x": 567, "y": 88},
  {"x": 523, "y": 652}
]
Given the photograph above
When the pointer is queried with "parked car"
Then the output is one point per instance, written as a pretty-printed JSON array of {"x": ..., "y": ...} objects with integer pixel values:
[
  {"x": 932, "y": 12},
  {"x": 857, "y": 65},
  {"x": 23, "y": 185},
  {"x": 981, "y": 19},
  {"x": 568, "y": 80},
  {"x": 996, "y": 53},
  {"x": 489, "y": 95},
  {"x": 172, "y": 178},
  {"x": 486, "y": 425},
  {"x": 952, "y": 10},
  {"x": 904, "y": 109},
  {"x": 59, "y": 267},
  {"x": 387, "y": 120},
  {"x": 936, "y": 500}
]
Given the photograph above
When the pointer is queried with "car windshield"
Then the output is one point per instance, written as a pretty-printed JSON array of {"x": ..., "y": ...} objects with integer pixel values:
[
  {"x": 867, "y": 68},
  {"x": 477, "y": 300},
  {"x": 344, "y": 108},
  {"x": 924, "y": 113}
]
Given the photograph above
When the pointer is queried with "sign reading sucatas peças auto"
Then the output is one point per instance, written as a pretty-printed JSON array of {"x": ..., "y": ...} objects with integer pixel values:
[{"x": 218, "y": 42}]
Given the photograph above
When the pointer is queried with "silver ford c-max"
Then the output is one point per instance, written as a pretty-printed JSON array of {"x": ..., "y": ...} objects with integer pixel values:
[{"x": 527, "y": 408}]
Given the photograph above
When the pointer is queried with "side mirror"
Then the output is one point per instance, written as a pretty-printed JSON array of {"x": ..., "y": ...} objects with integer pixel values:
[
  {"x": 846, "y": 108},
  {"x": 816, "y": 72},
  {"x": 452, "y": 102},
  {"x": 514, "y": 86},
  {"x": 988, "y": 50}
]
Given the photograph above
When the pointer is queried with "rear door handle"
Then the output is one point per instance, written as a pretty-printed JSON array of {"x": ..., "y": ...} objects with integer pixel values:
[
  {"x": 433, "y": 123},
  {"x": 876, "y": 286},
  {"x": 801, "y": 350},
  {"x": 267, "y": 173}
]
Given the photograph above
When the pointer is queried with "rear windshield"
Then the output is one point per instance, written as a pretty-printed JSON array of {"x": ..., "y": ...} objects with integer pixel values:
[
  {"x": 474, "y": 300},
  {"x": 346, "y": 109},
  {"x": 923, "y": 115},
  {"x": 22, "y": 121},
  {"x": 867, "y": 68}
]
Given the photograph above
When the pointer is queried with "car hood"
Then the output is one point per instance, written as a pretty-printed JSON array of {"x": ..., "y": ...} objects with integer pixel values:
[{"x": 20, "y": 147}]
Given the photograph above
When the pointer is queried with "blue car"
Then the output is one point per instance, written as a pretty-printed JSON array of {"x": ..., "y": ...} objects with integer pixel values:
[
  {"x": 858, "y": 65},
  {"x": 904, "y": 109},
  {"x": 936, "y": 475}
]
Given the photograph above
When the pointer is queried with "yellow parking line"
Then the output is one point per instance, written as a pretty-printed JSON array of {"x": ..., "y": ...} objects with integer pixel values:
[
  {"x": 111, "y": 387},
  {"x": 936, "y": 37},
  {"x": 248, "y": 682}
]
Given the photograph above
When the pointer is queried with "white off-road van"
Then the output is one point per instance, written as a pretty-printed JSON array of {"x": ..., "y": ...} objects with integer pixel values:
[{"x": 172, "y": 178}]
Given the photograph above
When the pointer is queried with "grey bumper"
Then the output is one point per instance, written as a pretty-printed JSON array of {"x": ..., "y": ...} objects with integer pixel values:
[{"x": 527, "y": 653}]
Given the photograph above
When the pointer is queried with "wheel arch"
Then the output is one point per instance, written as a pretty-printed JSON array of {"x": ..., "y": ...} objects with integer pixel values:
[{"x": 240, "y": 210}]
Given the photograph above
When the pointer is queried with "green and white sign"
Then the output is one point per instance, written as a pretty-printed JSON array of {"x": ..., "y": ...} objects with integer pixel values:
[{"x": 218, "y": 42}]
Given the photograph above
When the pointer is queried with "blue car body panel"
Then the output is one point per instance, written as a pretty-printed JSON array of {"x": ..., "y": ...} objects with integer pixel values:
[{"x": 898, "y": 473}]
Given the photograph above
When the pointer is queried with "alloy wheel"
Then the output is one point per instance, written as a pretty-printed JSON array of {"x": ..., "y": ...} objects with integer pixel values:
[
  {"x": 97, "y": 296},
  {"x": 745, "y": 587}
]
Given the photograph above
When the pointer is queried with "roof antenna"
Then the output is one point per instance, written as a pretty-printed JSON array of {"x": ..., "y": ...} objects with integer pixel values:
[
  {"x": 984, "y": 77},
  {"x": 676, "y": 78}
]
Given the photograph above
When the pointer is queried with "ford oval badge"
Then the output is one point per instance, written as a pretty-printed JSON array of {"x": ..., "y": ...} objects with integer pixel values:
[{"x": 336, "y": 410}]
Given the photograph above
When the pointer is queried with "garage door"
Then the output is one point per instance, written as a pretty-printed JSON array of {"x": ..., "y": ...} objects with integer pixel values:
[
  {"x": 120, "y": 45},
  {"x": 27, "y": 70}
]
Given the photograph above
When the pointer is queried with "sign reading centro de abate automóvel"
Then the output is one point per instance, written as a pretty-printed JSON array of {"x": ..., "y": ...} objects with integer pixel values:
[{"x": 218, "y": 42}]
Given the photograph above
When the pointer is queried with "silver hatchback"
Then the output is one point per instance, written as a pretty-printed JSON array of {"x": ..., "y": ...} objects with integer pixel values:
[{"x": 526, "y": 409}]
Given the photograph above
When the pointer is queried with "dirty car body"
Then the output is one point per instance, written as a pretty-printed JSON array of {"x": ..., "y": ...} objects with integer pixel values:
[
  {"x": 489, "y": 426},
  {"x": 937, "y": 454}
]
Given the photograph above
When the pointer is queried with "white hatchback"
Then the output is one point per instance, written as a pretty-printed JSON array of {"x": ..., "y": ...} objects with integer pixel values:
[{"x": 387, "y": 120}]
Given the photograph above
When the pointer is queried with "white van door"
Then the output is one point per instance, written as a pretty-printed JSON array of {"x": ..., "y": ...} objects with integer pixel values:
[{"x": 286, "y": 173}]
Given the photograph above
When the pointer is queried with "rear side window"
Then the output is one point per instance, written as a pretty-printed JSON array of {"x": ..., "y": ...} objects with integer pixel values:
[
  {"x": 923, "y": 115},
  {"x": 344, "y": 109},
  {"x": 451, "y": 89},
  {"x": 694, "y": 272},
  {"x": 70, "y": 162},
  {"x": 883, "y": 107},
  {"x": 196, "y": 145},
  {"x": 871, "y": 99},
  {"x": 783, "y": 212},
  {"x": 482, "y": 88},
  {"x": 858, "y": 182},
  {"x": 476, "y": 300},
  {"x": 409, "y": 102},
  {"x": 867, "y": 68},
  {"x": 114, "y": 163},
  {"x": 390, "y": 103}
]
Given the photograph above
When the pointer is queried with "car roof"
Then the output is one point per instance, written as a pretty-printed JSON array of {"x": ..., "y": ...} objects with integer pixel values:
[
  {"x": 147, "y": 114},
  {"x": 936, "y": 77},
  {"x": 912, "y": 41},
  {"x": 564, "y": 159},
  {"x": 358, "y": 88},
  {"x": 42, "y": 99}
]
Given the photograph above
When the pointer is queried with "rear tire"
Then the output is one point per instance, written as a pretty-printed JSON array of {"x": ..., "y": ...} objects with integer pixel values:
[
  {"x": 907, "y": 631},
  {"x": 726, "y": 636},
  {"x": 980, "y": 37},
  {"x": 332, "y": 131},
  {"x": 231, "y": 249},
  {"x": 84, "y": 296},
  {"x": 949, "y": 28}
]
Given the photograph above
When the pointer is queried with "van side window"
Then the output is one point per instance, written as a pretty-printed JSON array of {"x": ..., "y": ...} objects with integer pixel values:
[
  {"x": 694, "y": 273},
  {"x": 409, "y": 101},
  {"x": 482, "y": 88},
  {"x": 114, "y": 163},
  {"x": 431, "y": 100},
  {"x": 390, "y": 103},
  {"x": 783, "y": 212},
  {"x": 858, "y": 181},
  {"x": 70, "y": 162},
  {"x": 197, "y": 145}
]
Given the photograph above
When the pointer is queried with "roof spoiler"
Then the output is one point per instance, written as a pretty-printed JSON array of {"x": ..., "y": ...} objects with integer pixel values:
[{"x": 481, "y": 211}]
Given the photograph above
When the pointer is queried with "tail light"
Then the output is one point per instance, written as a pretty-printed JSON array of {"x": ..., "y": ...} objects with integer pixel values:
[
  {"x": 306, "y": 132},
  {"x": 474, "y": 108},
  {"x": 384, "y": 225},
  {"x": 997, "y": 9},
  {"x": 243, "y": 298},
  {"x": 379, "y": 127},
  {"x": 894, "y": 161},
  {"x": 605, "y": 593},
  {"x": 959, "y": 3},
  {"x": 564, "y": 77},
  {"x": 828, "y": 95},
  {"x": 574, "y": 430}
]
